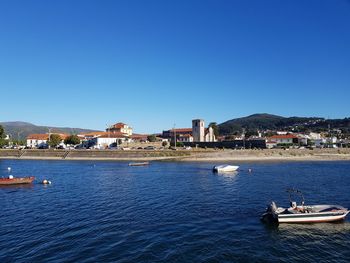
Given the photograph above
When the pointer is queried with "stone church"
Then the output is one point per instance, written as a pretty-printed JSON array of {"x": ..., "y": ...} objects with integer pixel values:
[{"x": 200, "y": 133}]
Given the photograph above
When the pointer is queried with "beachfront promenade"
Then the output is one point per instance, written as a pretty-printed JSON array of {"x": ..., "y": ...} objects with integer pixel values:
[{"x": 208, "y": 155}]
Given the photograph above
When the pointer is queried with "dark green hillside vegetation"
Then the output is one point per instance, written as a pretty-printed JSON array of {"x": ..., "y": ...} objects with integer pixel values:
[
  {"x": 271, "y": 123},
  {"x": 264, "y": 122},
  {"x": 20, "y": 130},
  {"x": 332, "y": 125}
]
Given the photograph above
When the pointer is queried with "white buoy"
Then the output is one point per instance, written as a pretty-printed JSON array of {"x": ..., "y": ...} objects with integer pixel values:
[
  {"x": 9, "y": 169},
  {"x": 10, "y": 176},
  {"x": 46, "y": 181}
]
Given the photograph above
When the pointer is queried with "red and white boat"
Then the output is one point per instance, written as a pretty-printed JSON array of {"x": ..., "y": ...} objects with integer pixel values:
[
  {"x": 304, "y": 213},
  {"x": 16, "y": 180}
]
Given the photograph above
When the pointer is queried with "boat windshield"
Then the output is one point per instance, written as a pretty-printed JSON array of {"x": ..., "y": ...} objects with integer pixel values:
[{"x": 292, "y": 191}]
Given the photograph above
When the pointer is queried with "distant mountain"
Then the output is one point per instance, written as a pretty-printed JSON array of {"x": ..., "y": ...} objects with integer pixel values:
[
  {"x": 266, "y": 121},
  {"x": 18, "y": 129}
]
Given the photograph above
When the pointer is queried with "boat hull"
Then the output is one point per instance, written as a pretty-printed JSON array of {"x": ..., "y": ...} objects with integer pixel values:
[
  {"x": 139, "y": 164},
  {"x": 225, "y": 168},
  {"x": 312, "y": 218},
  {"x": 19, "y": 180}
]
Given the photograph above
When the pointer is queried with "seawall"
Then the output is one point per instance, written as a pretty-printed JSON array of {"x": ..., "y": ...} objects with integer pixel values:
[{"x": 208, "y": 155}]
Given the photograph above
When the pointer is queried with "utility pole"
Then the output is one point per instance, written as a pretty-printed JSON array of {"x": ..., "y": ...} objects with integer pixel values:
[
  {"x": 175, "y": 136},
  {"x": 48, "y": 141},
  {"x": 243, "y": 137},
  {"x": 108, "y": 132}
]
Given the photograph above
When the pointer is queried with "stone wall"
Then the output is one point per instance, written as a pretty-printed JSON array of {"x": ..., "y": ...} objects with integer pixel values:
[{"x": 236, "y": 144}]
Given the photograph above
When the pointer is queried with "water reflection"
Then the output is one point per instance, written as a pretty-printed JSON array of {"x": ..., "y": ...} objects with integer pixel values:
[
  {"x": 17, "y": 186},
  {"x": 308, "y": 230},
  {"x": 321, "y": 228},
  {"x": 227, "y": 174}
]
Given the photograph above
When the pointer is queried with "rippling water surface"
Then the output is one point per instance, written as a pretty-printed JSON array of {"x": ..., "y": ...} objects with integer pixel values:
[{"x": 168, "y": 212}]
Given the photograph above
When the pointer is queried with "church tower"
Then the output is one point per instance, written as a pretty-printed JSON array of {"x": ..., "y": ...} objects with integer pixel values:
[{"x": 198, "y": 130}]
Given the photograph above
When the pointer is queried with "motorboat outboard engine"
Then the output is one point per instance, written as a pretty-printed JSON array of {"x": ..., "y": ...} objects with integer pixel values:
[{"x": 270, "y": 215}]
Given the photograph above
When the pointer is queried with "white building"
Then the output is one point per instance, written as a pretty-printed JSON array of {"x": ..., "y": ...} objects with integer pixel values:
[
  {"x": 40, "y": 140},
  {"x": 120, "y": 128},
  {"x": 184, "y": 138},
  {"x": 315, "y": 136},
  {"x": 37, "y": 140},
  {"x": 200, "y": 133},
  {"x": 104, "y": 141},
  {"x": 319, "y": 143},
  {"x": 284, "y": 139}
]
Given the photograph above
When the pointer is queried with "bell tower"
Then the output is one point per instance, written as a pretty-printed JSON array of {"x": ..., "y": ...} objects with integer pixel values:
[{"x": 198, "y": 130}]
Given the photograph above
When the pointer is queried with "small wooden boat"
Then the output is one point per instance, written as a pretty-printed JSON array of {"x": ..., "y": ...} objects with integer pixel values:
[
  {"x": 18, "y": 180},
  {"x": 139, "y": 164},
  {"x": 303, "y": 213},
  {"x": 225, "y": 168}
]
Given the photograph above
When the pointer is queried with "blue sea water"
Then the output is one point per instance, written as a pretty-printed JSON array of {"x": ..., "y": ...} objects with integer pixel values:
[{"x": 168, "y": 212}]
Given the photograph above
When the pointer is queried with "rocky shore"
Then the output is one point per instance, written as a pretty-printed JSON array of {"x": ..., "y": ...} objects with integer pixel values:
[{"x": 208, "y": 155}]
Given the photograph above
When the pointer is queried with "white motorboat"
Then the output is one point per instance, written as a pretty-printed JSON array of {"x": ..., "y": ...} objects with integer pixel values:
[
  {"x": 225, "y": 168},
  {"x": 139, "y": 164},
  {"x": 303, "y": 213}
]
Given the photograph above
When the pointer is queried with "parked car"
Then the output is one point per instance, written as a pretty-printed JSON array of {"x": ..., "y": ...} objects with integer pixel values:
[
  {"x": 149, "y": 148},
  {"x": 79, "y": 146},
  {"x": 43, "y": 147}
]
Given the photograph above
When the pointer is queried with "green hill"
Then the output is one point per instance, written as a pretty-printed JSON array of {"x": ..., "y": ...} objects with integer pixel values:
[
  {"x": 20, "y": 130},
  {"x": 266, "y": 121}
]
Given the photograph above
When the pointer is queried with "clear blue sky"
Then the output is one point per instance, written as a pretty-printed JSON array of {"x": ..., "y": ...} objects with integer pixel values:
[{"x": 155, "y": 63}]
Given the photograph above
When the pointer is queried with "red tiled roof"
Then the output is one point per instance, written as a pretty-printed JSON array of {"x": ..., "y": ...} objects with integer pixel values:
[
  {"x": 92, "y": 134},
  {"x": 182, "y": 130},
  {"x": 38, "y": 136},
  {"x": 272, "y": 142},
  {"x": 45, "y": 136},
  {"x": 284, "y": 136},
  {"x": 186, "y": 135},
  {"x": 118, "y": 125},
  {"x": 138, "y": 136},
  {"x": 112, "y": 135},
  {"x": 63, "y": 136}
]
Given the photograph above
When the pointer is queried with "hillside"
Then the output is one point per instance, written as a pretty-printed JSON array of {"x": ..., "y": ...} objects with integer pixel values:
[
  {"x": 273, "y": 122},
  {"x": 20, "y": 130}
]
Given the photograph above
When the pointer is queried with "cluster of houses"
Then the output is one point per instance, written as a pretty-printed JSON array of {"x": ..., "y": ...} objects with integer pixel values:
[
  {"x": 121, "y": 133},
  {"x": 312, "y": 139},
  {"x": 197, "y": 135},
  {"x": 117, "y": 133}
]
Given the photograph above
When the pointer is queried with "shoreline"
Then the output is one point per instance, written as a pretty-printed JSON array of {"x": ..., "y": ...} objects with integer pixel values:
[{"x": 215, "y": 156}]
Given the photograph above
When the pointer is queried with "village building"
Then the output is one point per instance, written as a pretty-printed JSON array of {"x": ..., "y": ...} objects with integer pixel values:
[
  {"x": 139, "y": 137},
  {"x": 315, "y": 136},
  {"x": 200, "y": 133},
  {"x": 120, "y": 128},
  {"x": 169, "y": 134},
  {"x": 105, "y": 140},
  {"x": 271, "y": 144},
  {"x": 41, "y": 140},
  {"x": 184, "y": 138},
  {"x": 284, "y": 139}
]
